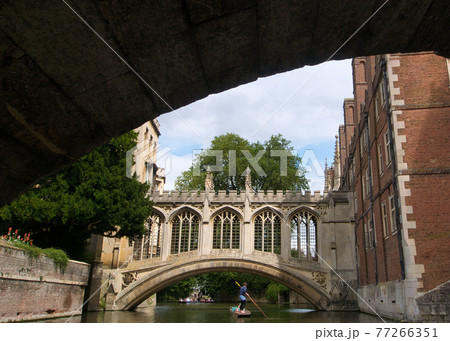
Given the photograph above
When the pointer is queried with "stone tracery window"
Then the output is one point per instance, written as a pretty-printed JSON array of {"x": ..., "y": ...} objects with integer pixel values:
[
  {"x": 268, "y": 232},
  {"x": 304, "y": 235},
  {"x": 226, "y": 231},
  {"x": 185, "y": 232},
  {"x": 149, "y": 245}
]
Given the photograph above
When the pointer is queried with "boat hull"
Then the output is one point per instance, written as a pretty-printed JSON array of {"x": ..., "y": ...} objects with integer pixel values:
[{"x": 238, "y": 313}]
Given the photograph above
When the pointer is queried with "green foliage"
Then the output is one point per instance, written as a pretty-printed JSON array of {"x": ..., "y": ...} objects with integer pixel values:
[
  {"x": 232, "y": 176},
  {"x": 217, "y": 284},
  {"x": 180, "y": 289},
  {"x": 59, "y": 257},
  {"x": 274, "y": 290},
  {"x": 92, "y": 196}
]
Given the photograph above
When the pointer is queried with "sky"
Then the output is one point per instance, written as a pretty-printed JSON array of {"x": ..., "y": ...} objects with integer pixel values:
[{"x": 304, "y": 105}]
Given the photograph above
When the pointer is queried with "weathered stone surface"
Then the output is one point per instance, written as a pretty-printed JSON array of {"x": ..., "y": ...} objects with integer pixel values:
[
  {"x": 434, "y": 305},
  {"x": 34, "y": 288},
  {"x": 64, "y": 92}
]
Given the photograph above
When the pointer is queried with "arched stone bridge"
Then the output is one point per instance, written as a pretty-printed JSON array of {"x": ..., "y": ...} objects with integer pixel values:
[{"x": 301, "y": 240}]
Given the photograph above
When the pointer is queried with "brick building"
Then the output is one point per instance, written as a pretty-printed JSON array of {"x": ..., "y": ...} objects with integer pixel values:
[{"x": 394, "y": 154}]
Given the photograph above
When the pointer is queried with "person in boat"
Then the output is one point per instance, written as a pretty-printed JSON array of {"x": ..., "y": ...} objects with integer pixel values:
[{"x": 242, "y": 294}]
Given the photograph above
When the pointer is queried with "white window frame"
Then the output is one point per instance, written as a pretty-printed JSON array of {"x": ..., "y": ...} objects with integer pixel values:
[
  {"x": 380, "y": 160},
  {"x": 361, "y": 146},
  {"x": 384, "y": 219},
  {"x": 382, "y": 94},
  {"x": 368, "y": 184},
  {"x": 392, "y": 214},
  {"x": 377, "y": 110},
  {"x": 363, "y": 187},
  {"x": 387, "y": 149},
  {"x": 366, "y": 237}
]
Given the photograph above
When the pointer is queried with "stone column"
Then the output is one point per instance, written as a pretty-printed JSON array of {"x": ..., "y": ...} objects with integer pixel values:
[
  {"x": 285, "y": 239},
  {"x": 92, "y": 291},
  {"x": 247, "y": 228},
  {"x": 165, "y": 244}
]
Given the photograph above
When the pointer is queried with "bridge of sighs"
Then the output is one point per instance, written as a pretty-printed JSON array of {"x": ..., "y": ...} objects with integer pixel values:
[{"x": 301, "y": 240}]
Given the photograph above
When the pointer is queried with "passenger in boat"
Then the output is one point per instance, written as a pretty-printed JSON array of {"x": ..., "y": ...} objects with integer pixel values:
[{"x": 242, "y": 294}]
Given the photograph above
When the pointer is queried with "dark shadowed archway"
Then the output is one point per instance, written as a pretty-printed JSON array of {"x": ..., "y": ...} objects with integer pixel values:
[{"x": 64, "y": 92}]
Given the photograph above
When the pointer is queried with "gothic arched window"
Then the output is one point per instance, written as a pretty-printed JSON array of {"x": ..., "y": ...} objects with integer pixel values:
[
  {"x": 304, "y": 235},
  {"x": 185, "y": 230},
  {"x": 226, "y": 231},
  {"x": 149, "y": 245},
  {"x": 268, "y": 232}
]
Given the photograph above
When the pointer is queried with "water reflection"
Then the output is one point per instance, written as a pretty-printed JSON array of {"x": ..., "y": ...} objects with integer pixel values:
[{"x": 219, "y": 313}]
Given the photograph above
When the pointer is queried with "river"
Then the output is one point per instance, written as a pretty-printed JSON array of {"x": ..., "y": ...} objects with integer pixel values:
[{"x": 219, "y": 313}]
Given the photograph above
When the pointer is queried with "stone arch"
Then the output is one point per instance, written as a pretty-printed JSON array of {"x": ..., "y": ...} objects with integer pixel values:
[
  {"x": 185, "y": 224},
  {"x": 226, "y": 236},
  {"x": 304, "y": 223},
  {"x": 150, "y": 243},
  {"x": 270, "y": 208},
  {"x": 157, "y": 210},
  {"x": 137, "y": 292},
  {"x": 304, "y": 208},
  {"x": 267, "y": 225},
  {"x": 227, "y": 207},
  {"x": 182, "y": 208},
  {"x": 362, "y": 64}
]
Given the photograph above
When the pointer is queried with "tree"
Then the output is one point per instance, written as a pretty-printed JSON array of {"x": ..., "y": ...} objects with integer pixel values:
[
  {"x": 92, "y": 196},
  {"x": 273, "y": 165}
]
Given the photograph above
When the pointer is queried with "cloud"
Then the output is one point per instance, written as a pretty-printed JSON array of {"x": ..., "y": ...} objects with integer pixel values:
[{"x": 304, "y": 105}]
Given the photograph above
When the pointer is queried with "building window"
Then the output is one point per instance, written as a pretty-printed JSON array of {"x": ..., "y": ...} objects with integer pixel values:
[
  {"x": 364, "y": 187},
  {"x": 377, "y": 111},
  {"x": 353, "y": 171},
  {"x": 149, "y": 245},
  {"x": 380, "y": 160},
  {"x": 304, "y": 235},
  {"x": 392, "y": 213},
  {"x": 366, "y": 237},
  {"x": 372, "y": 236},
  {"x": 387, "y": 149},
  {"x": 226, "y": 231},
  {"x": 382, "y": 94},
  {"x": 185, "y": 230},
  {"x": 361, "y": 146},
  {"x": 355, "y": 200},
  {"x": 268, "y": 232},
  {"x": 384, "y": 219}
]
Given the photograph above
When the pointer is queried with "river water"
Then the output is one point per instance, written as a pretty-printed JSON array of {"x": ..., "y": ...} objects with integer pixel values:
[{"x": 220, "y": 313}]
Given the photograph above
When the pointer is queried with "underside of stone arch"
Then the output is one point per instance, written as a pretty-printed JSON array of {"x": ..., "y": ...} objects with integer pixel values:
[
  {"x": 65, "y": 92},
  {"x": 158, "y": 279}
]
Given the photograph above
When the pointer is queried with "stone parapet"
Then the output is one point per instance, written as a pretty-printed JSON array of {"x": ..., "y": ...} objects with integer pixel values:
[{"x": 233, "y": 197}]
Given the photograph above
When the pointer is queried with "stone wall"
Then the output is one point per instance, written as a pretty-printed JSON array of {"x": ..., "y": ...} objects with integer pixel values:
[
  {"x": 35, "y": 288},
  {"x": 435, "y": 304}
]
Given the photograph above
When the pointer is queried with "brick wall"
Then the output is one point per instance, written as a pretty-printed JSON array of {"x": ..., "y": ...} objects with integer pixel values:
[
  {"x": 419, "y": 95},
  {"x": 423, "y": 83},
  {"x": 34, "y": 288}
]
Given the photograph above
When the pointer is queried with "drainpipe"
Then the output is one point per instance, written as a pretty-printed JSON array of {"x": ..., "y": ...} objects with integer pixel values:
[
  {"x": 383, "y": 63},
  {"x": 369, "y": 167}
]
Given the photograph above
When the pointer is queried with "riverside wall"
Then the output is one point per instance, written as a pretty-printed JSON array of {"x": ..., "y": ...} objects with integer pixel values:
[{"x": 35, "y": 288}]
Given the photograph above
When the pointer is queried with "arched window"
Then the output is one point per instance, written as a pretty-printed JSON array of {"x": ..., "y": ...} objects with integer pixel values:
[
  {"x": 185, "y": 229},
  {"x": 304, "y": 235},
  {"x": 226, "y": 231},
  {"x": 268, "y": 232},
  {"x": 149, "y": 245}
]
